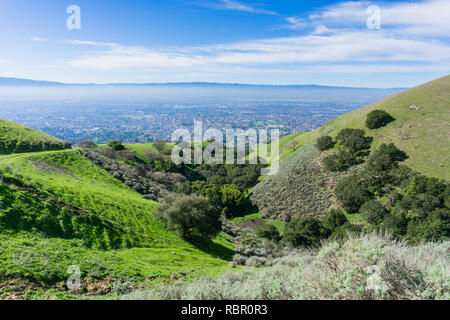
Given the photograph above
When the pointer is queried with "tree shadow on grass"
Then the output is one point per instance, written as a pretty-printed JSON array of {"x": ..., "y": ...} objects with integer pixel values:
[{"x": 214, "y": 249}]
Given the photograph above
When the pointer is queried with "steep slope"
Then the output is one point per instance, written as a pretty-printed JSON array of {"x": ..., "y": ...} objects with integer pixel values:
[
  {"x": 15, "y": 138},
  {"x": 421, "y": 128}
]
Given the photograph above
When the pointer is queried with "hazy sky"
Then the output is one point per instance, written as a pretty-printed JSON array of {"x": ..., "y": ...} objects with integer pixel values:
[{"x": 262, "y": 41}]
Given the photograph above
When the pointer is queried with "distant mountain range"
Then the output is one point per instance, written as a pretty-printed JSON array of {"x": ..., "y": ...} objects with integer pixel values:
[{"x": 17, "y": 82}]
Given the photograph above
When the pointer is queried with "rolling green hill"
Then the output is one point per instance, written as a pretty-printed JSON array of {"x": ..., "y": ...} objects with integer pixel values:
[
  {"x": 15, "y": 138},
  {"x": 59, "y": 209},
  {"x": 303, "y": 187},
  {"x": 423, "y": 131}
]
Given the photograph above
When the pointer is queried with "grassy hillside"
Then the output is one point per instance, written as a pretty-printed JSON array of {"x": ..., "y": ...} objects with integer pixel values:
[
  {"x": 15, "y": 138},
  {"x": 303, "y": 187},
  {"x": 422, "y": 132},
  {"x": 58, "y": 209}
]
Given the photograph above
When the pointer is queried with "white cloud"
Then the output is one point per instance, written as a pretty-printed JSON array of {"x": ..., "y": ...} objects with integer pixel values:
[
  {"x": 429, "y": 17},
  {"x": 338, "y": 37},
  {"x": 296, "y": 23},
  {"x": 7, "y": 74},
  {"x": 233, "y": 6},
  {"x": 358, "y": 46},
  {"x": 38, "y": 39}
]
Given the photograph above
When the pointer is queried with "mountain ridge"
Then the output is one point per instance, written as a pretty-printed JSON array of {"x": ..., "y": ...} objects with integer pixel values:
[{"x": 11, "y": 81}]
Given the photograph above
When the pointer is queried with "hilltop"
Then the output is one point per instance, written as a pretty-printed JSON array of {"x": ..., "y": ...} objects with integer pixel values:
[
  {"x": 16, "y": 138},
  {"x": 421, "y": 127}
]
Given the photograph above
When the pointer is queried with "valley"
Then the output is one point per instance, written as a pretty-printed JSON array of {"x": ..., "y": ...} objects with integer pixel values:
[{"x": 138, "y": 226}]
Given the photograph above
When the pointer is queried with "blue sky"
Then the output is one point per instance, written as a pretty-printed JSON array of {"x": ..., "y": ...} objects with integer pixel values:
[{"x": 267, "y": 42}]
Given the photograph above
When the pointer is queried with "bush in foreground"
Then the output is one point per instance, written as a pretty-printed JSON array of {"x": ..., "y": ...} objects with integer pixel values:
[
  {"x": 352, "y": 193},
  {"x": 360, "y": 268},
  {"x": 306, "y": 232},
  {"x": 191, "y": 217},
  {"x": 269, "y": 232},
  {"x": 325, "y": 143}
]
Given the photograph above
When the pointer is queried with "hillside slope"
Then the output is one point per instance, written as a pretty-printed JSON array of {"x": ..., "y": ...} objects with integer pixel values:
[
  {"x": 421, "y": 128},
  {"x": 59, "y": 209},
  {"x": 15, "y": 138},
  {"x": 302, "y": 187}
]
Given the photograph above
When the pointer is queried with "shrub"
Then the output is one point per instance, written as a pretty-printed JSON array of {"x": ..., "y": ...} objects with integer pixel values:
[
  {"x": 306, "y": 232},
  {"x": 126, "y": 155},
  {"x": 87, "y": 144},
  {"x": 351, "y": 193},
  {"x": 342, "y": 232},
  {"x": 340, "y": 161},
  {"x": 378, "y": 118},
  {"x": 385, "y": 158},
  {"x": 191, "y": 217},
  {"x": 160, "y": 145},
  {"x": 436, "y": 226},
  {"x": 107, "y": 152},
  {"x": 396, "y": 224},
  {"x": 354, "y": 140},
  {"x": 335, "y": 218},
  {"x": 116, "y": 145},
  {"x": 269, "y": 232},
  {"x": 373, "y": 211},
  {"x": 325, "y": 143}
]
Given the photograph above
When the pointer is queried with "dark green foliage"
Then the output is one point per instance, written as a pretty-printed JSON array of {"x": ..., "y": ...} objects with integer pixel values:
[
  {"x": 191, "y": 217},
  {"x": 269, "y": 231},
  {"x": 334, "y": 219},
  {"x": 227, "y": 198},
  {"x": 373, "y": 211},
  {"x": 340, "y": 161},
  {"x": 325, "y": 143},
  {"x": 378, "y": 118},
  {"x": 116, "y": 145},
  {"x": 342, "y": 232},
  {"x": 385, "y": 158},
  {"x": 436, "y": 226},
  {"x": 305, "y": 232},
  {"x": 354, "y": 149},
  {"x": 431, "y": 186},
  {"x": 354, "y": 140},
  {"x": 396, "y": 223},
  {"x": 352, "y": 193}
]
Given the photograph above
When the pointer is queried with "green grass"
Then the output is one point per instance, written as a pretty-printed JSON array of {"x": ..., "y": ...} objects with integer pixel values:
[
  {"x": 56, "y": 185},
  {"x": 141, "y": 148},
  {"x": 44, "y": 262},
  {"x": 423, "y": 134},
  {"x": 15, "y": 138},
  {"x": 285, "y": 144},
  {"x": 280, "y": 225},
  {"x": 256, "y": 215}
]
